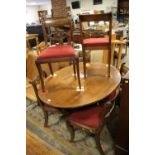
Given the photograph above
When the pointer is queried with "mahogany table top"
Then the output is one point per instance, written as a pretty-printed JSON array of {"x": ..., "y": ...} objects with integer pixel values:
[{"x": 61, "y": 90}]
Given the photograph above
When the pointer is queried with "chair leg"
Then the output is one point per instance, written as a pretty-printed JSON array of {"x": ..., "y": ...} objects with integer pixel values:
[
  {"x": 46, "y": 118},
  {"x": 74, "y": 68},
  {"x": 109, "y": 61},
  {"x": 50, "y": 67},
  {"x": 78, "y": 72},
  {"x": 98, "y": 143},
  {"x": 71, "y": 130},
  {"x": 84, "y": 62},
  {"x": 40, "y": 75}
]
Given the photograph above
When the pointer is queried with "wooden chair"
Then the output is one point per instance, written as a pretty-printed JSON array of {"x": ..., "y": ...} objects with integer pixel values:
[
  {"x": 61, "y": 51},
  {"x": 120, "y": 45},
  {"x": 92, "y": 119},
  {"x": 97, "y": 41},
  {"x": 122, "y": 38},
  {"x": 44, "y": 106}
]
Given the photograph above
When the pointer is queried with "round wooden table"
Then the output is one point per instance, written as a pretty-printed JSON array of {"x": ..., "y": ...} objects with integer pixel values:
[{"x": 61, "y": 89}]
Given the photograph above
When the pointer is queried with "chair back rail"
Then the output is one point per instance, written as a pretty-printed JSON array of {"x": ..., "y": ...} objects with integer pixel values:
[
  {"x": 62, "y": 28},
  {"x": 95, "y": 18}
]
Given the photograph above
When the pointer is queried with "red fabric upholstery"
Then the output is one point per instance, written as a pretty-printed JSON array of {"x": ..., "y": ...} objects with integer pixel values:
[
  {"x": 57, "y": 52},
  {"x": 95, "y": 41},
  {"x": 89, "y": 117}
]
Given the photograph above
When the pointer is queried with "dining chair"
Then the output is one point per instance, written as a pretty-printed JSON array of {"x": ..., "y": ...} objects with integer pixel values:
[
  {"x": 92, "y": 119},
  {"x": 96, "y": 39},
  {"x": 119, "y": 45},
  {"x": 62, "y": 50},
  {"x": 122, "y": 38},
  {"x": 43, "y": 106}
]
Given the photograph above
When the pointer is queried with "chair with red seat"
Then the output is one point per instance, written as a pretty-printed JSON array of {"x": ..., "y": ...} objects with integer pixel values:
[
  {"x": 96, "y": 39},
  {"x": 61, "y": 51},
  {"x": 43, "y": 106},
  {"x": 92, "y": 119}
]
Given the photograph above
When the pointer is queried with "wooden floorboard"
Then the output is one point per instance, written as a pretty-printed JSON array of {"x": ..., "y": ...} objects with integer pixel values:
[{"x": 36, "y": 146}]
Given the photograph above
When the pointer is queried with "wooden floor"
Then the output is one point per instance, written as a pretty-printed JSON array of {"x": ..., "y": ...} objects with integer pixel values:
[{"x": 36, "y": 146}]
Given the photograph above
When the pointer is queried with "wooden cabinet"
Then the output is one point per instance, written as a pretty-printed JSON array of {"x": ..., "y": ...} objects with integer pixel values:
[
  {"x": 35, "y": 29},
  {"x": 123, "y": 10},
  {"x": 122, "y": 139}
]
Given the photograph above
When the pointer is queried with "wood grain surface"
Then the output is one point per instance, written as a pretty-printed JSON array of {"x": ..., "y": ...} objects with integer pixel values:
[
  {"x": 61, "y": 90},
  {"x": 36, "y": 146}
]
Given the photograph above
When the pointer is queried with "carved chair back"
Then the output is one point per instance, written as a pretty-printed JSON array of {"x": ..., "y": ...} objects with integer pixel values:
[{"x": 57, "y": 30}]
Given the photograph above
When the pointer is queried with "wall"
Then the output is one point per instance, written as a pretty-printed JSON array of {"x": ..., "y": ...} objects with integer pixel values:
[
  {"x": 59, "y": 6},
  {"x": 88, "y": 5},
  {"x": 32, "y": 14},
  {"x": 46, "y": 7}
]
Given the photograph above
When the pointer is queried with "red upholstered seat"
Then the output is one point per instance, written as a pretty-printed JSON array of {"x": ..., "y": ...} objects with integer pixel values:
[
  {"x": 57, "y": 52},
  {"x": 90, "y": 117},
  {"x": 95, "y": 41}
]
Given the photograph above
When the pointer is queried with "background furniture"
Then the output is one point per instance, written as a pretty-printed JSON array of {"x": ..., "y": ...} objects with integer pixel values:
[
  {"x": 120, "y": 46},
  {"x": 92, "y": 41},
  {"x": 35, "y": 29},
  {"x": 32, "y": 37},
  {"x": 122, "y": 139},
  {"x": 123, "y": 10}
]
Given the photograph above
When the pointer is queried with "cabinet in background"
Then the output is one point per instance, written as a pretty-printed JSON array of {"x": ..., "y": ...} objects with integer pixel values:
[{"x": 123, "y": 10}]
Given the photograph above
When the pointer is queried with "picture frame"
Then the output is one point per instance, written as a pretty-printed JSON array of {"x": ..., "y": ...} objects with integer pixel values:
[
  {"x": 96, "y": 2},
  {"x": 75, "y": 4}
]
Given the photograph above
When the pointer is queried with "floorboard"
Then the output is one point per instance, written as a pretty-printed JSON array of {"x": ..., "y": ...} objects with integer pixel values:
[{"x": 36, "y": 146}]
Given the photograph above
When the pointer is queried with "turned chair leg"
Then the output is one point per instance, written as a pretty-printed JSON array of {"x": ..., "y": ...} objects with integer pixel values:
[
  {"x": 98, "y": 143},
  {"x": 84, "y": 62},
  {"x": 46, "y": 118},
  {"x": 109, "y": 62},
  {"x": 74, "y": 67},
  {"x": 50, "y": 67},
  {"x": 78, "y": 72},
  {"x": 71, "y": 130},
  {"x": 40, "y": 75}
]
